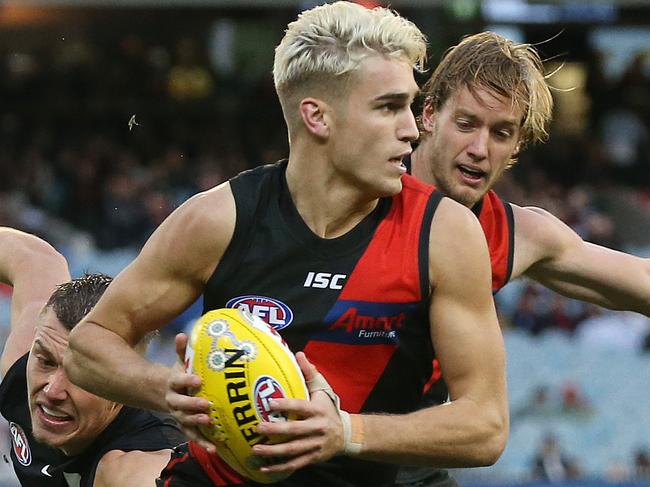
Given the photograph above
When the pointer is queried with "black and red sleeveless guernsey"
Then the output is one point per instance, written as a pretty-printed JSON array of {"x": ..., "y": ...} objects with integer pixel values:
[
  {"x": 498, "y": 224},
  {"x": 497, "y": 221},
  {"x": 38, "y": 465},
  {"x": 357, "y": 304}
]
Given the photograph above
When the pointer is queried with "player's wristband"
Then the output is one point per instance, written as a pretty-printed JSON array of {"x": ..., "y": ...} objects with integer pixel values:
[
  {"x": 352, "y": 424},
  {"x": 352, "y": 432}
]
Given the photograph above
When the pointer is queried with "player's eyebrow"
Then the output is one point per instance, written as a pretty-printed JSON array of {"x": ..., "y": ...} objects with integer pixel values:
[
  {"x": 42, "y": 348},
  {"x": 397, "y": 96}
]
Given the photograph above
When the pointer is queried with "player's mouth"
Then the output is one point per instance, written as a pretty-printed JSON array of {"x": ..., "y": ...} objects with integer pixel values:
[
  {"x": 52, "y": 417},
  {"x": 470, "y": 175},
  {"x": 398, "y": 161}
]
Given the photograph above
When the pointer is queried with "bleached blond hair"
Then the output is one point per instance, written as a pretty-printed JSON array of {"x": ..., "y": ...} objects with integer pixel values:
[{"x": 326, "y": 44}]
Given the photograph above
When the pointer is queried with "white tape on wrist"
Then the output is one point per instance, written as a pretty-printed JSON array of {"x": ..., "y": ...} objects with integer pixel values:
[
  {"x": 319, "y": 383},
  {"x": 349, "y": 447}
]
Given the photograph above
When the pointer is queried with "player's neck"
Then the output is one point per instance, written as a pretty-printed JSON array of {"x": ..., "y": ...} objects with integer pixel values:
[
  {"x": 420, "y": 166},
  {"x": 327, "y": 206}
]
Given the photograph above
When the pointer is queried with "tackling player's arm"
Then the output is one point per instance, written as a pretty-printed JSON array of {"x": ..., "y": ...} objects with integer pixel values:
[
  {"x": 167, "y": 276},
  {"x": 471, "y": 429},
  {"x": 130, "y": 469},
  {"x": 34, "y": 268},
  {"x": 550, "y": 252}
]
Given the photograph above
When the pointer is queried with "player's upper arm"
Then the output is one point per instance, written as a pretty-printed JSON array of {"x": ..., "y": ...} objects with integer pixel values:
[
  {"x": 549, "y": 251},
  {"x": 542, "y": 241},
  {"x": 34, "y": 268},
  {"x": 464, "y": 326},
  {"x": 172, "y": 268},
  {"x": 130, "y": 469}
]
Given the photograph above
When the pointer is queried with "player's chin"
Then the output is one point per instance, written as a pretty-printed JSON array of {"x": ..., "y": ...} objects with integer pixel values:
[
  {"x": 389, "y": 187},
  {"x": 467, "y": 196}
]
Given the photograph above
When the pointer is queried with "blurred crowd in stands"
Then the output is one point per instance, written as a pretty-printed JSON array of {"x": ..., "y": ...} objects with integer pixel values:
[{"x": 102, "y": 140}]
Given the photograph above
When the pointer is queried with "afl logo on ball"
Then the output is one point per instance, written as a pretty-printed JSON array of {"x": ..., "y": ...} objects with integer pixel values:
[
  {"x": 267, "y": 388},
  {"x": 274, "y": 312},
  {"x": 20, "y": 444}
]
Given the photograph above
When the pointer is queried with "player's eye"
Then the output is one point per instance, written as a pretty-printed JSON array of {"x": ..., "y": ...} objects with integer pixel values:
[
  {"x": 44, "y": 362},
  {"x": 463, "y": 124}
]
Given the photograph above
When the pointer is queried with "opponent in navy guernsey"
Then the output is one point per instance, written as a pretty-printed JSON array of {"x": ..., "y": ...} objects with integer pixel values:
[
  {"x": 61, "y": 435},
  {"x": 360, "y": 267}
]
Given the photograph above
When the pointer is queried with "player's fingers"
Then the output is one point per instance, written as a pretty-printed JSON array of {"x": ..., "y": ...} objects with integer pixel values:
[
  {"x": 180, "y": 381},
  {"x": 308, "y": 369},
  {"x": 187, "y": 404},
  {"x": 196, "y": 436},
  {"x": 319, "y": 405},
  {"x": 292, "y": 463},
  {"x": 288, "y": 450},
  {"x": 307, "y": 427},
  {"x": 191, "y": 420},
  {"x": 181, "y": 344},
  {"x": 299, "y": 407}
]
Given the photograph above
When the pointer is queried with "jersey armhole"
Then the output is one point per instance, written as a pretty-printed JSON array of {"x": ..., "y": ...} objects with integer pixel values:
[
  {"x": 423, "y": 251},
  {"x": 511, "y": 239},
  {"x": 243, "y": 224}
]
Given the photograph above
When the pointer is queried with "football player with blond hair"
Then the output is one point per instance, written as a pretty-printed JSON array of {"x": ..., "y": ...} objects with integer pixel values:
[
  {"x": 484, "y": 103},
  {"x": 392, "y": 278},
  {"x": 486, "y": 100}
]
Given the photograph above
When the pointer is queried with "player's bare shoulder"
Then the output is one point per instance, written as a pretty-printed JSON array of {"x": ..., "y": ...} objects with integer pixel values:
[
  {"x": 455, "y": 239},
  {"x": 213, "y": 209},
  {"x": 197, "y": 233},
  {"x": 453, "y": 222},
  {"x": 540, "y": 235}
]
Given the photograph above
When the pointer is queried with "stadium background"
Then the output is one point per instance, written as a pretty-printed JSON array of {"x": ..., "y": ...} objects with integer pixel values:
[{"x": 196, "y": 76}]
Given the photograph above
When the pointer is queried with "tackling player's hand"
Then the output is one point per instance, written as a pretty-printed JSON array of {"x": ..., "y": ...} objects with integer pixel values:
[
  {"x": 189, "y": 411},
  {"x": 316, "y": 437}
]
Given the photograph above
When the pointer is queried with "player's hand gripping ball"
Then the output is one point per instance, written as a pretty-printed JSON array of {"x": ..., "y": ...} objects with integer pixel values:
[{"x": 243, "y": 363}]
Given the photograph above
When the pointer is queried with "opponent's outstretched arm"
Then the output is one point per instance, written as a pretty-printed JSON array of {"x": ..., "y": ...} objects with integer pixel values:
[
  {"x": 550, "y": 252},
  {"x": 470, "y": 430},
  {"x": 167, "y": 276},
  {"x": 34, "y": 268}
]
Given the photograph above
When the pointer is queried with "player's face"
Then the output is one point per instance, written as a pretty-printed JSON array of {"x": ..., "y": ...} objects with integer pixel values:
[
  {"x": 63, "y": 415},
  {"x": 470, "y": 143},
  {"x": 373, "y": 126}
]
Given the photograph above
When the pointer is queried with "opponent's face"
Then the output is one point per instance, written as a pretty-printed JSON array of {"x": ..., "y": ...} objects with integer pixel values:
[
  {"x": 373, "y": 126},
  {"x": 63, "y": 415},
  {"x": 470, "y": 142}
]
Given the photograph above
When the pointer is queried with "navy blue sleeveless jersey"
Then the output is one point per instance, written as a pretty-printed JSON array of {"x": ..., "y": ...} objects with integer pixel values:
[
  {"x": 38, "y": 465},
  {"x": 357, "y": 305}
]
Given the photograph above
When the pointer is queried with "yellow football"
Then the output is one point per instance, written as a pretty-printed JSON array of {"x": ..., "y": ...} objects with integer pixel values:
[{"x": 243, "y": 363}]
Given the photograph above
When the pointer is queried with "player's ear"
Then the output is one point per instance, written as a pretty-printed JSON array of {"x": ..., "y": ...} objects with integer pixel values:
[
  {"x": 314, "y": 115},
  {"x": 428, "y": 115}
]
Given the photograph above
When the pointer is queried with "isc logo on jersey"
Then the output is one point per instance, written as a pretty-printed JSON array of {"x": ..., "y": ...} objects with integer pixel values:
[
  {"x": 21, "y": 447},
  {"x": 324, "y": 280},
  {"x": 274, "y": 312}
]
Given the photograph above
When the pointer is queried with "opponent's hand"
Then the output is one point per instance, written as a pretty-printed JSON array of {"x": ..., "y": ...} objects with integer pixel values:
[
  {"x": 316, "y": 437},
  {"x": 189, "y": 411}
]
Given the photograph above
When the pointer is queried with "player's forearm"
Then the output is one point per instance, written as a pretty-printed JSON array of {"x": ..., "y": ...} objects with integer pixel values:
[
  {"x": 456, "y": 434},
  {"x": 101, "y": 362},
  {"x": 617, "y": 282}
]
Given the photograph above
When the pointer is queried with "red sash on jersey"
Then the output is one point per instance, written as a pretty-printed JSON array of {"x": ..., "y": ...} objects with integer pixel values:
[{"x": 498, "y": 225}]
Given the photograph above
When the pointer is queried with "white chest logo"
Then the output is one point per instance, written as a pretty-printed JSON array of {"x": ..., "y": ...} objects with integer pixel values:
[
  {"x": 324, "y": 280},
  {"x": 19, "y": 442}
]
